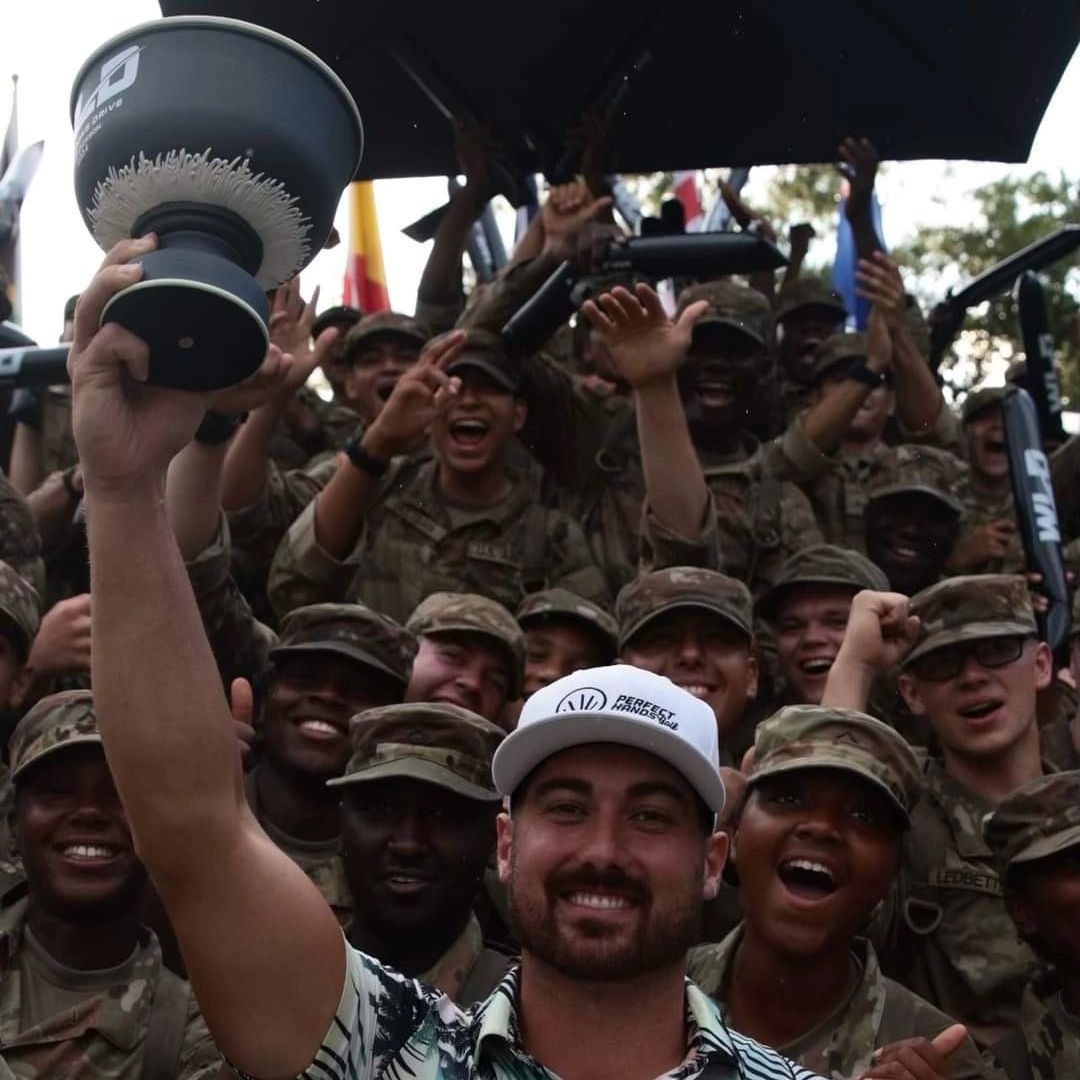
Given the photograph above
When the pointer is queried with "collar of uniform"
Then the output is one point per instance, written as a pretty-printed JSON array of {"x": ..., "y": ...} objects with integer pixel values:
[
  {"x": 496, "y": 1029},
  {"x": 451, "y": 971},
  {"x": 427, "y": 497},
  {"x": 119, "y": 1018}
]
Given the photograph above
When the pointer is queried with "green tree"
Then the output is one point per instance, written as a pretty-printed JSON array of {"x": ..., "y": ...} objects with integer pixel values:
[{"x": 1008, "y": 215}]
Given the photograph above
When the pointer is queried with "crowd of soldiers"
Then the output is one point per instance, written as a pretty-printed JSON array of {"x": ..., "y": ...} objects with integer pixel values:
[{"x": 398, "y": 584}]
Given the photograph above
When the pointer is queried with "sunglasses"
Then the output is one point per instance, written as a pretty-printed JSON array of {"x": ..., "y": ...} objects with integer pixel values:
[{"x": 947, "y": 663}]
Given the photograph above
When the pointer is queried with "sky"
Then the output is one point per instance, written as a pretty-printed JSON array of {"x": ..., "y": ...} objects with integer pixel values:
[{"x": 45, "y": 43}]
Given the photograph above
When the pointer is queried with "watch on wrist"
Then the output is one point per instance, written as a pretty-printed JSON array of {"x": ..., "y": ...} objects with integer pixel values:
[
  {"x": 858, "y": 371},
  {"x": 365, "y": 462},
  {"x": 217, "y": 428}
]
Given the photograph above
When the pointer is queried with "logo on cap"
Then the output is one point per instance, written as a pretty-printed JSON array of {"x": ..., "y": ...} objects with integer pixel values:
[{"x": 583, "y": 699}]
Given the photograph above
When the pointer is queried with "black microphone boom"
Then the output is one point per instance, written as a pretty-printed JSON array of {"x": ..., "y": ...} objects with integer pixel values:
[
  {"x": 30, "y": 366},
  {"x": 698, "y": 255}
]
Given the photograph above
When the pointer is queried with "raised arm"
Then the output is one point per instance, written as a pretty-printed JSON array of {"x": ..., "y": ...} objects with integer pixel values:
[
  {"x": 264, "y": 952},
  {"x": 648, "y": 349}
]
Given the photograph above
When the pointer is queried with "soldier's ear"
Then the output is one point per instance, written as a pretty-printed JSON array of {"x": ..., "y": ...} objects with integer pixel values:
[
  {"x": 909, "y": 690},
  {"x": 521, "y": 412},
  {"x": 504, "y": 837}
]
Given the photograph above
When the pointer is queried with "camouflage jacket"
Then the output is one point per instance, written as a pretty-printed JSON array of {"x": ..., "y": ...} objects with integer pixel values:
[
  {"x": 591, "y": 453},
  {"x": 410, "y": 547},
  {"x": 20, "y": 544},
  {"x": 982, "y": 509},
  {"x": 106, "y": 1036},
  {"x": 334, "y": 424},
  {"x": 390, "y": 1026},
  {"x": 322, "y": 862},
  {"x": 240, "y": 643},
  {"x": 953, "y": 942},
  {"x": 468, "y": 971},
  {"x": 877, "y": 1012},
  {"x": 1047, "y": 1044},
  {"x": 837, "y": 486}
]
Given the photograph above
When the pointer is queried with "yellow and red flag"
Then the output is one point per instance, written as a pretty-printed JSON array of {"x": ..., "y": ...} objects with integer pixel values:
[{"x": 365, "y": 276}]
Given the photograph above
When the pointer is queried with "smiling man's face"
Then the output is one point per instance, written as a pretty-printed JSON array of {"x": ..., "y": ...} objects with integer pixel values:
[
  {"x": 810, "y": 623},
  {"x": 704, "y": 654},
  {"x": 608, "y": 863}
]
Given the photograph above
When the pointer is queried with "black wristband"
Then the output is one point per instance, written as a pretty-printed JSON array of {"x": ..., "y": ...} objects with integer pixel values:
[
  {"x": 858, "y": 371},
  {"x": 364, "y": 461},
  {"x": 217, "y": 428}
]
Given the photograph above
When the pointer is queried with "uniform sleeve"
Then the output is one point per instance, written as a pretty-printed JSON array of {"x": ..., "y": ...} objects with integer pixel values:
[
  {"x": 303, "y": 572},
  {"x": 662, "y": 546},
  {"x": 257, "y": 529},
  {"x": 240, "y": 643},
  {"x": 946, "y": 432},
  {"x": 576, "y": 569},
  {"x": 794, "y": 455}
]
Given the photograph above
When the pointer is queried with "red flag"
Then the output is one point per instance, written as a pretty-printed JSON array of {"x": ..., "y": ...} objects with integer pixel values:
[
  {"x": 686, "y": 191},
  {"x": 365, "y": 276}
]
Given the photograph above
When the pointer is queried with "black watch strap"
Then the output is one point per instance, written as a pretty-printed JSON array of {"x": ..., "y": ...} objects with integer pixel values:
[
  {"x": 217, "y": 428},
  {"x": 858, "y": 371},
  {"x": 364, "y": 461}
]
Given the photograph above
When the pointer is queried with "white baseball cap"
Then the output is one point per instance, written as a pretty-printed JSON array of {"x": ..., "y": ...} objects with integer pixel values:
[{"x": 619, "y": 704}]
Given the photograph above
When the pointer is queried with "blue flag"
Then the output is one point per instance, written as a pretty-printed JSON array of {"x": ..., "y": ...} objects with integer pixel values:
[{"x": 847, "y": 258}]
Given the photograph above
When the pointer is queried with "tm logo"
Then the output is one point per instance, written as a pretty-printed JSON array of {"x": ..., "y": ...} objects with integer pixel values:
[
  {"x": 1042, "y": 502},
  {"x": 584, "y": 699},
  {"x": 117, "y": 74}
]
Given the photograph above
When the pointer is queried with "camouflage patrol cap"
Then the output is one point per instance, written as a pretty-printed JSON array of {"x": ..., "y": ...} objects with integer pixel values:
[
  {"x": 341, "y": 316},
  {"x": 54, "y": 723},
  {"x": 731, "y": 304},
  {"x": 20, "y": 606},
  {"x": 807, "y": 292},
  {"x": 661, "y": 591},
  {"x": 1035, "y": 821},
  {"x": 469, "y": 613},
  {"x": 915, "y": 468},
  {"x": 436, "y": 743},
  {"x": 821, "y": 564},
  {"x": 384, "y": 324},
  {"x": 563, "y": 604},
  {"x": 978, "y": 401},
  {"x": 487, "y": 351},
  {"x": 968, "y": 608},
  {"x": 820, "y": 737},
  {"x": 350, "y": 630},
  {"x": 835, "y": 350}
]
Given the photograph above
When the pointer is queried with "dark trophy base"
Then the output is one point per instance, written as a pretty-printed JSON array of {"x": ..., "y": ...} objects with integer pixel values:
[{"x": 202, "y": 316}]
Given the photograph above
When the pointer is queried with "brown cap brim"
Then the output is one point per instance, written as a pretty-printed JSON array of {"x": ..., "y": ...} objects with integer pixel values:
[
  {"x": 703, "y": 603},
  {"x": 972, "y": 631},
  {"x": 415, "y": 768},
  {"x": 339, "y": 648}
]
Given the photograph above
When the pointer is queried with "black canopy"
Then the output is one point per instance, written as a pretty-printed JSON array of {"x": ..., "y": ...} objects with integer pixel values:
[{"x": 749, "y": 81}]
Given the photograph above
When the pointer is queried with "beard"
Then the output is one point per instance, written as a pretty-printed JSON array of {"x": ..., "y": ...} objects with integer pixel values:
[{"x": 594, "y": 949}]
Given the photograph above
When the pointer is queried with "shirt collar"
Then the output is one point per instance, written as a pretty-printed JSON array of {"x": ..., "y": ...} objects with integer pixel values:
[{"x": 496, "y": 1029}]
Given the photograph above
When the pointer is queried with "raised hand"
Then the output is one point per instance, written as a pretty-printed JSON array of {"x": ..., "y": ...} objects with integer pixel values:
[
  {"x": 417, "y": 398},
  {"x": 745, "y": 217},
  {"x": 645, "y": 344},
  {"x": 878, "y": 280},
  {"x": 568, "y": 209},
  {"x": 858, "y": 165},
  {"x": 917, "y": 1059},
  {"x": 127, "y": 431},
  {"x": 879, "y": 630}
]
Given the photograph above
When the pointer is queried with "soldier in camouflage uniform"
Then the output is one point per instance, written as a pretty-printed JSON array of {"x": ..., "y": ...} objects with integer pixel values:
[
  {"x": 1035, "y": 837},
  {"x": 418, "y": 828},
  {"x": 695, "y": 627},
  {"x": 972, "y": 669},
  {"x": 755, "y": 518},
  {"x": 807, "y": 312},
  {"x": 333, "y": 661},
  {"x": 471, "y": 654},
  {"x": 20, "y": 545},
  {"x": 83, "y": 991},
  {"x": 829, "y": 799},
  {"x": 390, "y": 532},
  {"x": 563, "y": 633},
  {"x": 913, "y": 513},
  {"x": 803, "y": 617},
  {"x": 989, "y": 542}
]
